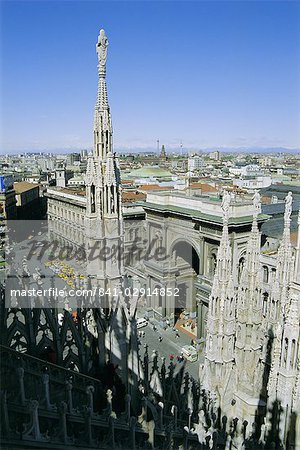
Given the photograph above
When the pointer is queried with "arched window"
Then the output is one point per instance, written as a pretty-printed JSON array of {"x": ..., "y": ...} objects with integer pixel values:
[
  {"x": 293, "y": 354},
  {"x": 241, "y": 266},
  {"x": 286, "y": 345},
  {"x": 273, "y": 274},
  {"x": 265, "y": 303},
  {"x": 265, "y": 274},
  {"x": 93, "y": 200},
  {"x": 212, "y": 264},
  {"x": 231, "y": 307}
]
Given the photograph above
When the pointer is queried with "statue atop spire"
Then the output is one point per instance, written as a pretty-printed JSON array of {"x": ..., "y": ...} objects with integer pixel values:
[
  {"x": 288, "y": 208},
  {"x": 257, "y": 204},
  {"x": 225, "y": 206},
  {"x": 101, "y": 48}
]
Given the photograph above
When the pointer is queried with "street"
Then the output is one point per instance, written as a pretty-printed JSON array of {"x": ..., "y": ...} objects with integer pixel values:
[{"x": 170, "y": 345}]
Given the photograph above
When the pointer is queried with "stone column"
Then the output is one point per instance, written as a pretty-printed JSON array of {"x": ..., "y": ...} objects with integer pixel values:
[
  {"x": 201, "y": 260},
  {"x": 20, "y": 372},
  {"x": 132, "y": 432}
]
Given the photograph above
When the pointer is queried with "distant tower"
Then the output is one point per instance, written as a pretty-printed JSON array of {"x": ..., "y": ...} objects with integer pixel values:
[
  {"x": 61, "y": 176},
  {"x": 163, "y": 155}
]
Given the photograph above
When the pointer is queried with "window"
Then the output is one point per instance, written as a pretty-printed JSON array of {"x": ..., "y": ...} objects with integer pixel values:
[
  {"x": 265, "y": 274},
  {"x": 241, "y": 266},
  {"x": 265, "y": 303}
]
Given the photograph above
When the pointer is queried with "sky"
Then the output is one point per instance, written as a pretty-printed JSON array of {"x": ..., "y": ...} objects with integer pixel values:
[{"x": 209, "y": 74}]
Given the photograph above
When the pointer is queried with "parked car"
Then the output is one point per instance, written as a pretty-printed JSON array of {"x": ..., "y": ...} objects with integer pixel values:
[
  {"x": 189, "y": 353},
  {"x": 140, "y": 323}
]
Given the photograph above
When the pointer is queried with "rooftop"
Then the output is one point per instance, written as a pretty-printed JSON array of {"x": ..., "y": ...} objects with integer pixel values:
[
  {"x": 274, "y": 227},
  {"x": 150, "y": 172},
  {"x": 200, "y": 207},
  {"x": 24, "y": 186},
  {"x": 154, "y": 187}
]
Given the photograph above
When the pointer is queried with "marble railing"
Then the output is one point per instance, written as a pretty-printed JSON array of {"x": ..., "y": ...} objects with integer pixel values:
[
  {"x": 47, "y": 406},
  {"x": 44, "y": 406}
]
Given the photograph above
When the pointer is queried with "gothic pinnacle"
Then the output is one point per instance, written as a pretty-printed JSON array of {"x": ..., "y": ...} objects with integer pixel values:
[{"x": 102, "y": 118}]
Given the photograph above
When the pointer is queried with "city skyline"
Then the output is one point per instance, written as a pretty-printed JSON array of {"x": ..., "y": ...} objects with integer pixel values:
[{"x": 217, "y": 75}]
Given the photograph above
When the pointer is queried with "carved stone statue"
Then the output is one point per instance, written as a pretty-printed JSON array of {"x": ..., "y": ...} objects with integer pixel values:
[
  {"x": 288, "y": 206},
  {"x": 256, "y": 203},
  {"x": 225, "y": 205},
  {"x": 101, "y": 48}
]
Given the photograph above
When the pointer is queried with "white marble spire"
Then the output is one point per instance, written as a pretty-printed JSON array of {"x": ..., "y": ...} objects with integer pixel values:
[
  {"x": 284, "y": 269},
  {"x": 102, "y": 118},
  {"x": 252, "y": 264},
  {"x": 249, "y": 322},
  {"x": 297, "y": 255},
  {"x": 103, "y": 172},
  {"x": 220, "y": 319}
]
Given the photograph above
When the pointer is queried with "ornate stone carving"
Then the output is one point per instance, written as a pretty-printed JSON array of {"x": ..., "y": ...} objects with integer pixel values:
[{"x": 101, "y": 47}]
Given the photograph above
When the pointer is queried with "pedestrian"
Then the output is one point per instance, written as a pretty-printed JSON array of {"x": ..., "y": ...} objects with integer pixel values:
[
  {"x": 143, "y": 334},
  {"x": 160, "y": 338},
  {"x": 171, "y": 357},
  {"x": 154, "y": 328},
  {"x": 177, "y": 335}
]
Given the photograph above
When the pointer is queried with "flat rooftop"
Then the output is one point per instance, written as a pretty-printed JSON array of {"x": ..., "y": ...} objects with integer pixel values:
[
  {"x": 24, "y": 186},
  {"x": 207, "y": 208}
]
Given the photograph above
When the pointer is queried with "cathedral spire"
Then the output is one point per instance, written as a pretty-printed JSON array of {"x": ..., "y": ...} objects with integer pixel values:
[
  {"x": 102, "y": 118},
  {"x": 250, "y": 327},
  {"x": 297, "y": 256},
  {"x": 285, "y": 261},
  {"x": 220, "y": 319},
  {"x": 252, "y": 264},
  {"x": 103, "y": 172}
]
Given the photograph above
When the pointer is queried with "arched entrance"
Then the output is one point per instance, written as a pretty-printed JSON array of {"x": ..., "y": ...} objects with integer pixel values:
[{"x": 187, "y": 263}]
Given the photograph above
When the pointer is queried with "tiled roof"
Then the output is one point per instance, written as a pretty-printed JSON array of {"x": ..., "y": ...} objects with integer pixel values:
[
  {"x": 154, "y": 187},
  {"x": 132, "y": 196},
  {"x": 203, "y": 186}
]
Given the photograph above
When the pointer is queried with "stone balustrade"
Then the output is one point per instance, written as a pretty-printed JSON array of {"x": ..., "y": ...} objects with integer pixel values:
[{"x": 49, "y": 405}]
